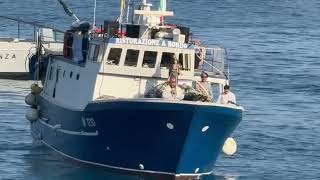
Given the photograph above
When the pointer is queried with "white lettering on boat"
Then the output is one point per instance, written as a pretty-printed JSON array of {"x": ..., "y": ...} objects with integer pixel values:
[{"x": 151, "y": 42}]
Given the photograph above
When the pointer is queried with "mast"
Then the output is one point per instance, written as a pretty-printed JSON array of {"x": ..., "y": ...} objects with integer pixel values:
[{"x": 94, "y": 15}]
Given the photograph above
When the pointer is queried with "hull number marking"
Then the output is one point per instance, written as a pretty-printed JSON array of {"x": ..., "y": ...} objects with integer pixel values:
[{"x": 88, "y": 122}]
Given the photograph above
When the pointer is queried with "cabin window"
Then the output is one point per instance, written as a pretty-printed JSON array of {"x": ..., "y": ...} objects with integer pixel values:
[
  {"x": 131, "y": 58},
  {"x": 149, "y": 59},
  {"x": 167, "y": 59},
  {"x": 71, "y": 74},
  {"x": 77, "y": 77},
  {"x": 93, "y": 52},
  {"x": 185, "y": 61},
  {"x": 114, "y": 56}
]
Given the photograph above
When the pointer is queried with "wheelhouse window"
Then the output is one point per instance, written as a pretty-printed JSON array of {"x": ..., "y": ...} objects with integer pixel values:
[
  {"x": 131, "y": 58},
  {"x": 167, "y": 59},
  {"x": 93, "y": 52},
  {"x": 149, "y": 59},
  {"x": 185, "y": 61},
  {"x": 114, "y": 56}
]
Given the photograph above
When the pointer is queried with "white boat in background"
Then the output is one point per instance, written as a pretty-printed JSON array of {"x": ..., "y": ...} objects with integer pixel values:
[{"x": 18, "y": 44}]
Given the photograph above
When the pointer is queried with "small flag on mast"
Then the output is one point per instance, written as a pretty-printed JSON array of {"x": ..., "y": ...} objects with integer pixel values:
[{"x": 162, "y": 7}]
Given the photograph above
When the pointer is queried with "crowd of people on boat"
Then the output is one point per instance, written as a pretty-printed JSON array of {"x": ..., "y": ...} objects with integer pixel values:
[{"x": 172, "y": 91}]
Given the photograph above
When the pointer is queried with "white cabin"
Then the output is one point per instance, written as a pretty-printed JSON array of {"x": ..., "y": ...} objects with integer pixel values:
[{"x": 119, "y": 68}]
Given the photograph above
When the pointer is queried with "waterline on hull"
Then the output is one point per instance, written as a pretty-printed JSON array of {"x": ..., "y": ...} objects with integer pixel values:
[{"x": 127, "y": 169}]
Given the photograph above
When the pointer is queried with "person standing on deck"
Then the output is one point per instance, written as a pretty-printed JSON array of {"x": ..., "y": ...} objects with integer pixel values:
[
  {"x": 227, "y": 96},
  {"x": 204, "y": 87},
  {"x": 175, "y": 68}
]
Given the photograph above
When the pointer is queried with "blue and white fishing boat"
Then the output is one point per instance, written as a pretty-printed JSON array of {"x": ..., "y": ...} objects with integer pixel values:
[{"x": 100, "y": 101}]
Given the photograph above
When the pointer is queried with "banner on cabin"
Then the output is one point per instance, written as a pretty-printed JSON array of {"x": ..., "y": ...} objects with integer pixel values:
[{"x": 149, "y": 42}]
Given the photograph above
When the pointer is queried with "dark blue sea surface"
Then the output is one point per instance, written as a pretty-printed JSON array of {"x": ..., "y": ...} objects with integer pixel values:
[{"x": 274, "y": 59}]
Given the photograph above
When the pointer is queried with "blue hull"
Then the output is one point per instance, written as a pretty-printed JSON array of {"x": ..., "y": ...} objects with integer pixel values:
[{"x": 140, "y": 136}]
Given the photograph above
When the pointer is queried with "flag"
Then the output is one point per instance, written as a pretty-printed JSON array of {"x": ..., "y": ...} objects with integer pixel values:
[
  {"x": 122, "y": 5},
  {"x": 162, "y": 7}
]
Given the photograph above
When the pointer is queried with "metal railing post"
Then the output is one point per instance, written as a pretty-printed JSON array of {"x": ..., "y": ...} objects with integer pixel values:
[
  {"x": 18, "y": 30},
  {"x": 34, "y": 32}
]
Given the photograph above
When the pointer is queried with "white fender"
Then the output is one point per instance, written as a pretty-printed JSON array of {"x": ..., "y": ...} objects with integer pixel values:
[
  {"x": 30, "y": 99},
  {"x": 35, "y": 89},
  {"x": 32, "y": 114},
  {"x": 230, "y": 146}
]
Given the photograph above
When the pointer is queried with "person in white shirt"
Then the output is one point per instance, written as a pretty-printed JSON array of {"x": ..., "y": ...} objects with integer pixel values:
[
  {"x": 172, "y": 91},
  {"x": 227, "y": 96}
]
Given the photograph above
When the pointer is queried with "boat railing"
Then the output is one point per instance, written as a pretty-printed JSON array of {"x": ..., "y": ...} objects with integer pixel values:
[
  {"x": 21, "y": 29},
  {"x": 212, "y": 61}
]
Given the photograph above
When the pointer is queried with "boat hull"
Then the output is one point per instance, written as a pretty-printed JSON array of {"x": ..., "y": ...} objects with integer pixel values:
[{"x": 147, "y": 136}]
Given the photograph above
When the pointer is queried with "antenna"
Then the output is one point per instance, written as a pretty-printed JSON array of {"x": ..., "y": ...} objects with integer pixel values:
[{"x": 94, "y": 15}]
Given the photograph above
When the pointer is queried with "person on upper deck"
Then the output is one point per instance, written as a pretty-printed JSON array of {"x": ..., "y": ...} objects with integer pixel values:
[
  {"x": 227, "y": 96},
  {"x": 172, "y": 91},
  {"x": 204, "y": 87},
  {"x": 175, "y": 68}
]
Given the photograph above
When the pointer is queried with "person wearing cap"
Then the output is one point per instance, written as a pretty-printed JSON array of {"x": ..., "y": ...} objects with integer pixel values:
[
  {"x": 227, "y": 96},
  {"x": 172, "y": 91},
  {"x": 204, "y": 87}
]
